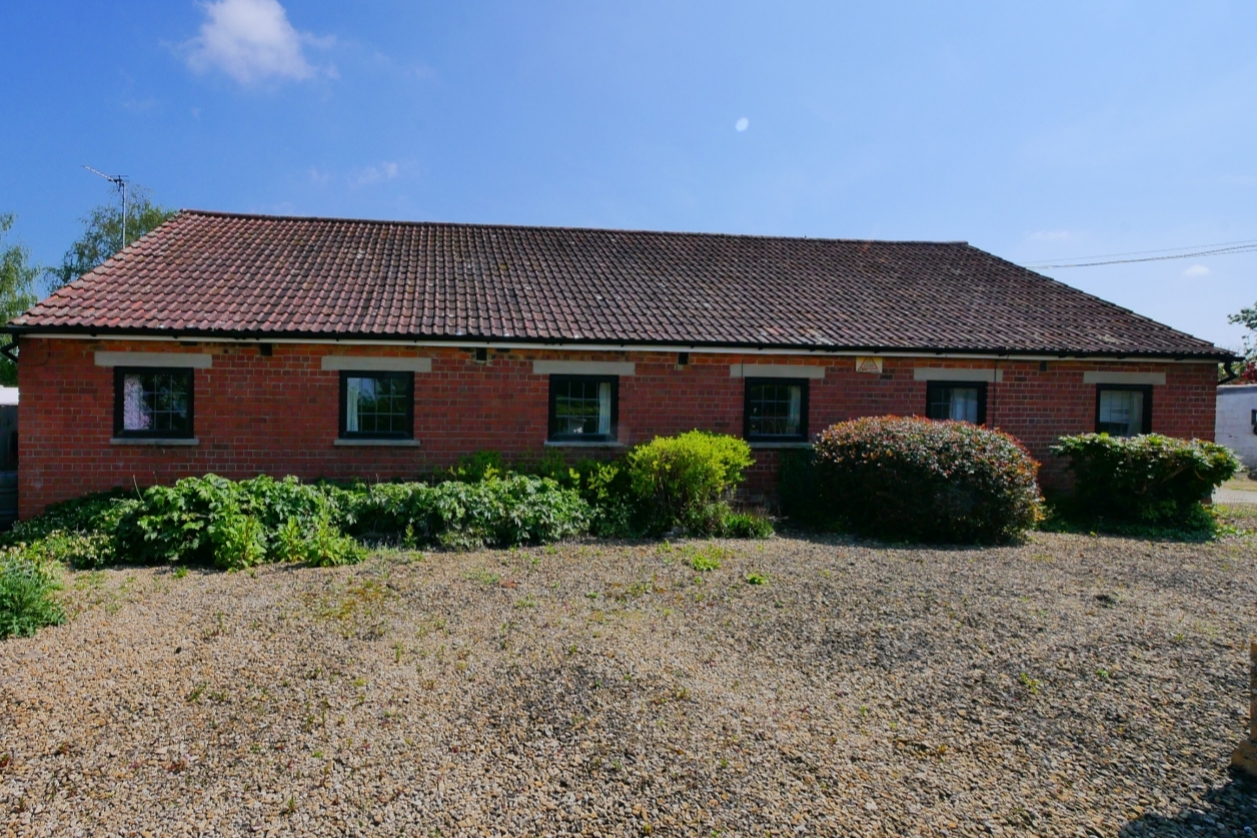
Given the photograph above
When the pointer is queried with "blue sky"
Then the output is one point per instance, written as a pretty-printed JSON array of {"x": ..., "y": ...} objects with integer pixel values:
[{"x": 1038, "y": 131}]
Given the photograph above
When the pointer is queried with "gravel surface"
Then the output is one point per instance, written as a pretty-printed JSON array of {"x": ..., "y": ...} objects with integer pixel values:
[{"x": 1071, "y": 686}]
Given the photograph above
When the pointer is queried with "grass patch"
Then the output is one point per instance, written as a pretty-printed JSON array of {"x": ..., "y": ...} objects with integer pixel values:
[{"x": 27, "y": 603}]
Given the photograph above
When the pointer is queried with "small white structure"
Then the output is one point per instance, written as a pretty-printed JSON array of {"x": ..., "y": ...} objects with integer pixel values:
[{"x": 1236, "y": 426}]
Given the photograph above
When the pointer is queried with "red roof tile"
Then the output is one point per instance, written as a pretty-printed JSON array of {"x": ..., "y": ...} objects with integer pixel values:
[{"x": 206, "y": 273}]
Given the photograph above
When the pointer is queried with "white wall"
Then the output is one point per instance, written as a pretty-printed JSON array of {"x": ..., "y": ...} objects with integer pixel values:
[{"x": 1234, "y": 427}]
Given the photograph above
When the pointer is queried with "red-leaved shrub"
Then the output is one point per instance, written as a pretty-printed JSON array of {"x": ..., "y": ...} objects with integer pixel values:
[{"x": 921, "y": 480}]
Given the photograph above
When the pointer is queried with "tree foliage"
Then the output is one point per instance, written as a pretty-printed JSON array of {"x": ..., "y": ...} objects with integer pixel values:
[
  {"x": 102, "y": 235},
  {"x": 17, "y": 290},
  {"x": 1247, "y": 317}
]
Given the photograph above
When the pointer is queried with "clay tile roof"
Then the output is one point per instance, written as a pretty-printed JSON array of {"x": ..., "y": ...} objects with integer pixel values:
[{"x": 205, "y": 273}]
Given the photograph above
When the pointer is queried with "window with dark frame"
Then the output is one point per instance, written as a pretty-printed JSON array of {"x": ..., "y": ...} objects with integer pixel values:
[
  {"x": 153, "y": 403},
  {"x": 959, "y": 401},
  {"x": 776, "y": 410},
  {"x": 584, "y": 408},
  {"x": 1123, "y": 409},
  {"x": 377, "y": 405}
]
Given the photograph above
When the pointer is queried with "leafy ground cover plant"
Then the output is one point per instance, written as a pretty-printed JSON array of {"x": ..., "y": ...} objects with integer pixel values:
[
  {"x": 1151, "y": 479},
  {"x": 233, "y": 525},
  {"x": 922, "y": 480},
  {"x": 497, "y": 511}
]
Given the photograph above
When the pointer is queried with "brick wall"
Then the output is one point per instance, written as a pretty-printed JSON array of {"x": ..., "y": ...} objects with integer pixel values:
[{"x": 279, "y": 413}]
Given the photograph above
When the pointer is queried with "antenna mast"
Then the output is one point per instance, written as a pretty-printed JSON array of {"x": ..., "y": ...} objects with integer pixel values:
[{"x": 119, "y": 181}]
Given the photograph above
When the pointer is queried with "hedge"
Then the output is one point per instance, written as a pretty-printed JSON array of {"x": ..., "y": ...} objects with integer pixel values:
[
  {"x": 1148, "y": 479},
  {"x": 923, "y": 480}
]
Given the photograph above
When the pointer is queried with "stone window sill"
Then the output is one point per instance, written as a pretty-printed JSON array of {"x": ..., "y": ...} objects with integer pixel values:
[
  {"x": 155, "y": 441},
  {"x": 771, "y": 445},
  {"x": 575, "y": 443},
  {"x": 377, "y": 443}
]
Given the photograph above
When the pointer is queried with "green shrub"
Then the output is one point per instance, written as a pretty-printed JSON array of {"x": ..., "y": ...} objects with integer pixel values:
[
  {"x": 473, "y": 468},
  {"x": 745, "y": 525},
  {"x": 81, "y": 551},
  {"x": 922, "y": 480},
  {"x": 608, "y": 490},
  {"x": 684, "y": 480},
  {"x": 498, "y": 511},
  {"x": 230, "y": 524},
  {"x": 1150, "y": 479},
  {"x": 26, "y": 595},
  {"x": 77, "y": 533}
]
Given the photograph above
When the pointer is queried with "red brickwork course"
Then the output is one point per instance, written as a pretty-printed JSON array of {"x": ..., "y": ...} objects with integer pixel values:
[{"x": 278, "y": 414}]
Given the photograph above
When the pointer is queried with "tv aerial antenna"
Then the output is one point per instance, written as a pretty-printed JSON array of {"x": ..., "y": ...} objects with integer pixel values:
[{"x": 119, "y": 181}]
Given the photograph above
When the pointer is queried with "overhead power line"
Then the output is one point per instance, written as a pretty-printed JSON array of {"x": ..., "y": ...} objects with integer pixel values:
[{"x": 1212, "y": 250}]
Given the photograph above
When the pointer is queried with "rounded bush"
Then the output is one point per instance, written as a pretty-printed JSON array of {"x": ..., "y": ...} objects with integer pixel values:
[
  {"x": 922, "y": 480},
  {"x": 683, "y": 480},
  {"x": 1148, "y": 479}
]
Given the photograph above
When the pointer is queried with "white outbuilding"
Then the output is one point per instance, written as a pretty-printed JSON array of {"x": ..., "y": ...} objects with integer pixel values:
[{"x": 1236, "y": 426}]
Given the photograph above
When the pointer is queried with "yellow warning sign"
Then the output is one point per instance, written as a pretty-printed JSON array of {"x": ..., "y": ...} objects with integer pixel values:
[{"x": 873, "y": 365}]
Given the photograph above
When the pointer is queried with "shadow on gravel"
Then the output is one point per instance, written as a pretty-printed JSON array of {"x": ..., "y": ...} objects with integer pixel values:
[{"x": 1229, "y": 810}]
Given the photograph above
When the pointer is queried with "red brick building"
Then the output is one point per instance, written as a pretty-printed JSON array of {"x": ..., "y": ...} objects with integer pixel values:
[{"x": 241, "y": 344}]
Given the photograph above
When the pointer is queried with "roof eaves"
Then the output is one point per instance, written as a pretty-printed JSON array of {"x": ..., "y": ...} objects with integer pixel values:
[{"x": 262, "y": 335}]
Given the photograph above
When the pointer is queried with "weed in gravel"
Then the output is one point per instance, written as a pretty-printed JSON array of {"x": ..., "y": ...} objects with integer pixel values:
[
  {"x": 215, "y": 630},
  {"x": 484, "y": 577},
  {"x": 755, "y": 578},
  {"x": 704, "y": 559},
  {"x": 195, "y": 696},
  {"x": 1029, "y": 683}
]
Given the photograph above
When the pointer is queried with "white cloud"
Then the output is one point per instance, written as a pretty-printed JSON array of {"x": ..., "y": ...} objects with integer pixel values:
[
  {"x": 251, "y": 41},
  {"x": 374, "y": 174},
  {"x": 1195, "y": 271},
  {"x": 742, "y": 124}
]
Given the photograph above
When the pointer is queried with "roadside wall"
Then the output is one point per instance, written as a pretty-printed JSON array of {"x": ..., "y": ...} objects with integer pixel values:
[{"x": 279, "y": 414}]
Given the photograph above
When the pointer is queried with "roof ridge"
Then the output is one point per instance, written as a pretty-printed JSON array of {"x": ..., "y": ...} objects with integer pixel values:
[{"x": 576, "y": 229}]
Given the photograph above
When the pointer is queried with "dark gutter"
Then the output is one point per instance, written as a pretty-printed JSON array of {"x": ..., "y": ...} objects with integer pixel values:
[{"x": 270, "y": 335}]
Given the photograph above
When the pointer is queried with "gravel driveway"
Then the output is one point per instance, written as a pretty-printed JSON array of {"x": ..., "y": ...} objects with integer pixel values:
[{"x": 1071, "y": 686}]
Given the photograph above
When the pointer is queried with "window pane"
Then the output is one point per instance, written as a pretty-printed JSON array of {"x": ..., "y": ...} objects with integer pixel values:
[
  {"x": 135, "y": 415},
  {"x": 377, "y": 405},
  {"x": 956, "y": 403},
  {"x": 1121, "y": 412},
  {"x": 775, "y": 409},
  {"x": 582, "y": 407},
  {"x": 156, "y": 402}
]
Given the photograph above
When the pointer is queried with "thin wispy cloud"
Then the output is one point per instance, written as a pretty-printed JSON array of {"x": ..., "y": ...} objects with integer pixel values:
[
  {"x": 1196, "y": 271},
  {"x": 252, "y": 41},
  {"x": 358, "y": 178},
  {"x": 374, "y": 174}
]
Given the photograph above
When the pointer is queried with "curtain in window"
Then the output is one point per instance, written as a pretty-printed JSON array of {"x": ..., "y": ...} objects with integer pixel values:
[
  {"x": 793, "y": 421},
  {"x": 353, "y": 392},
  {"x": 964, "y": 405},
  {"x": 136, "y": 415},
  {"x": 604, "y": 408}
]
